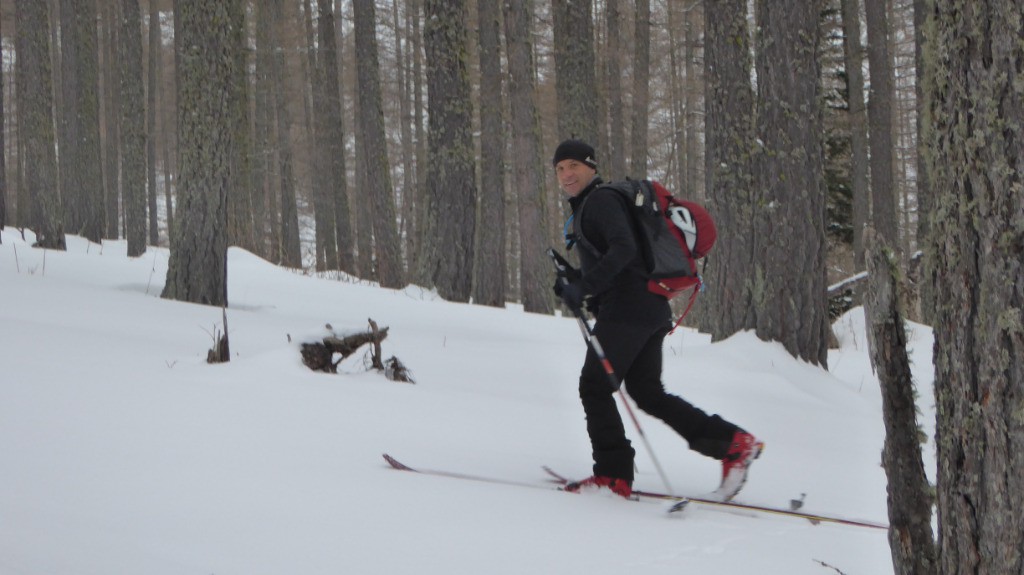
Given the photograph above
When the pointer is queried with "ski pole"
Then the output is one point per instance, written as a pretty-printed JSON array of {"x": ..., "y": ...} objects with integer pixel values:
[{"x": 588, "y": 335}]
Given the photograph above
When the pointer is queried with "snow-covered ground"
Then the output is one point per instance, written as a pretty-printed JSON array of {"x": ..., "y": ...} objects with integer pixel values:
[{"x": 123, "y": 451}]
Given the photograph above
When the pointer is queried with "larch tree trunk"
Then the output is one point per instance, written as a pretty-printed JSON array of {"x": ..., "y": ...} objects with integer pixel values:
[
  {"x": 975, "y": 158},
  {"x": 615, "y": 154},
  {"x": 451, "y": 163},
  {"x": 489, "y": 287},
  {"x": 881, "y": 98},
  {"x": 80, "y": 166},
  {"x": 535, "y": 274},
  {"x": 152, "y": 100},
  {"x": 853, "y": 59},
  {"x": 575, "y": 76},
  {"x": 197, "y": 268},
  {"x": 729, "y": 184},
  {"x": 35, "y": 106},
  {"x": 390, "y": 270},
  {"x": 641, "y": 90},
  {"x": 132, "y": 127},
  {"x": 288, "y": 221},
  {"x": 909, "y": 501},
  {"x": 334, "y": 144},
  {"x": 789, "y": 219}
]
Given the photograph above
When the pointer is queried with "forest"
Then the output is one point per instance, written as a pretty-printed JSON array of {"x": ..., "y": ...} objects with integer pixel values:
[{"x": 409, "y": 142}]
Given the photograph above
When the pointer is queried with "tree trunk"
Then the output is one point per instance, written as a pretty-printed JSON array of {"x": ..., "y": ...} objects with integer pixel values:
[
  {"x": 880, "y": 121},
  {"x": 3, "y": 155},
  {"x": 390, "y": 271},
  {"x": 641, "y": 91},
  {"x": 290, "y": 248},
  {"x": 489, "y": 287},
  {"x": 153, "y": 98},
  {"x": 133, "y": 128},
  {"x": 924, "y": 189},
  {"x": 729, "y": 125},
  {"x": 334, "y": 141},
  {"x": 853, "y": 59},
  {"x": 789, "y": 231},
  {"x": 615, "y": 154},
  {"x": 35, "y": 105},
  {"x": 197, "y": 269},
  {"x": 241, "y": 220},
  {"x": 80, "y": 168},
  {"x": 527, "y": 181},
  {"x": 575, "y": 77},
  {"x": 974, "y": 161},
  {"x": 451, "y": 180},
  {"x": 910, "y": 505}
]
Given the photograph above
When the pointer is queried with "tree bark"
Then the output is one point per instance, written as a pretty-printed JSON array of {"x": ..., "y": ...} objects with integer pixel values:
[
  {"x": 641, "y": 90},
  {"x": 575, "y": 77},
  {"x": 152, "y": 98},
  {"x": 880, "y": 121},
  {"x": 615, "y": 154},
  {"x": 390, "y": 270},
  {"x": 729, "y": 125},
  {"x": 976, "y": 107},
  {"x": 451, "y": 179},
  {"x": 80, "y": 169},
  {"x": 334, "y": 141},
  {"x": 197, "y": 269},
  {"x": 909, "y": 502},
  {"x": 853, "y": 59},
  {"x": 489, "y": 287},
  {"x": 35, "y": 105},
  {"x": 133, "y": 128},
  {"x": 290, "y": 248},
  {"x": 527, "y": 181},
  {"x": 789, "y": 226}
]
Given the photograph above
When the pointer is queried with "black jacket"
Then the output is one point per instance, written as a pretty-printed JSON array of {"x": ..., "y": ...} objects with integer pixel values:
[{"x": 615, "y": 277}]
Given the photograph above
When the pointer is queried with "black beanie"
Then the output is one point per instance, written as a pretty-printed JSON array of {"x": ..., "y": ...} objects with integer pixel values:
[{"x": 575, "y": 150}]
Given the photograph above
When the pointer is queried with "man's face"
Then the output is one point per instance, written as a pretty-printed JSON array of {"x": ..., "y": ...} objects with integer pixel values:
[{"x": 573, "y": 176}]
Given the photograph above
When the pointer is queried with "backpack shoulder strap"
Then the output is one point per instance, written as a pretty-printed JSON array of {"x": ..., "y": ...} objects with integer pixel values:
[{"x": 627, "y": 189}]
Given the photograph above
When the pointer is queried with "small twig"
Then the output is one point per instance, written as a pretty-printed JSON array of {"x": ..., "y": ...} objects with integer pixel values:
[
  {"x": 17, "y": 262},
  {"x": 827, "y": 566}
]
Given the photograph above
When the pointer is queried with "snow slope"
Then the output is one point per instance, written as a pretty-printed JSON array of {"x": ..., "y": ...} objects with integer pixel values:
[{"x": 122, "y": 451}]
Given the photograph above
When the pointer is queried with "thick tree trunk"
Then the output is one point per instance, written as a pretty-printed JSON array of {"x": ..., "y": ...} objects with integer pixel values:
[
  {"x": 197, "y": 269},
  {"x": 390, "y": 270},
  {"x": 575, "y": 76},
  {"x": 35, "y": 106},
  {"x": 489, "y": 287},
  {"x": 729, "y": 125},
  {"x": 976, "y": 151},
  {"x": 333, "y": 144},
  {"x": 910, "y": 502},
  {"x": 789, "y": 255},
  {"x": 81, "y": 173},
  {"x": 451, "y": 178}
]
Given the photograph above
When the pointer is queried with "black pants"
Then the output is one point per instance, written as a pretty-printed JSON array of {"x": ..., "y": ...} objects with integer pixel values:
[{"x": 635, "y": 353}]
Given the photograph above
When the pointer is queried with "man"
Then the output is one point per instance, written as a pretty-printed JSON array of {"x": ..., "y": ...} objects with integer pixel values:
[{"x": 631, "y": 325}]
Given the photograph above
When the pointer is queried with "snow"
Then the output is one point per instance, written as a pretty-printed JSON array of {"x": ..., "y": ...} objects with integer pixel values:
[{"x": 122, "y": 451}]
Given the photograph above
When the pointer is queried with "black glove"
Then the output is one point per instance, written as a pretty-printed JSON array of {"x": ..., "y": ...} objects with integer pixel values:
[{"x": 571, "y": 293}]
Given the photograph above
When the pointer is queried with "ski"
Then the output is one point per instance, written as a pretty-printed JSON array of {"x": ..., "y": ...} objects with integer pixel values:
[
  {"x": 682, "y": 501},
  {"x": 396, "y": 464}
]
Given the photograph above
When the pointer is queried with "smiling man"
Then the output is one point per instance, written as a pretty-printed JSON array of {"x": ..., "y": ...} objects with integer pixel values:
[{"x": 632, "y": 322}]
